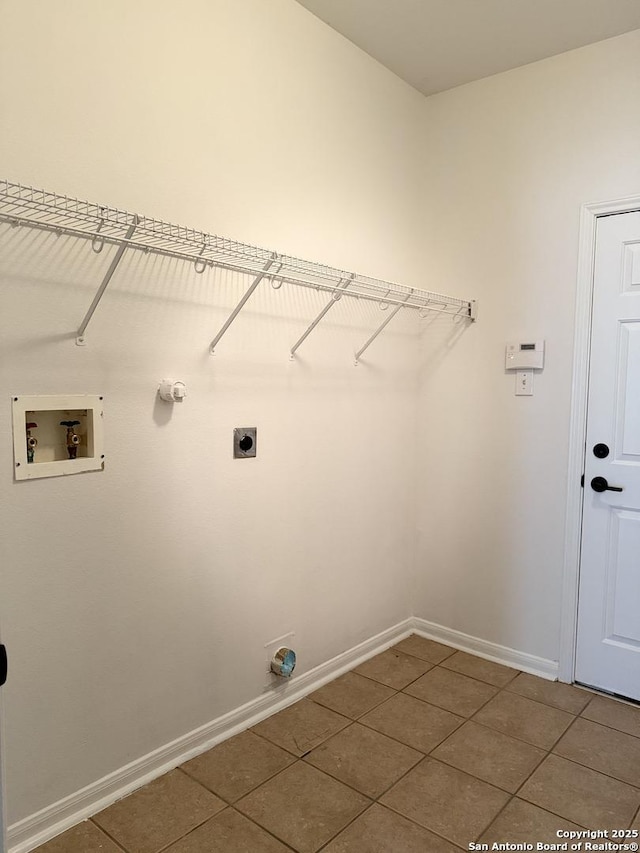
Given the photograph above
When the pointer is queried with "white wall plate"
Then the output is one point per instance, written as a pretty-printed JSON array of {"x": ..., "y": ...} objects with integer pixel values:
[{"x": 51, "y": 457}]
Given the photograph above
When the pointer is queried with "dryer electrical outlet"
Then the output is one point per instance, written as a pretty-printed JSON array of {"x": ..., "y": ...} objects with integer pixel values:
[{"x": 244, "y": 442}]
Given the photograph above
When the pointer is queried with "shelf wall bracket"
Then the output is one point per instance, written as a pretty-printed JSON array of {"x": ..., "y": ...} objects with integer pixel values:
[
  {"x": 243, "y": 301},
  {"x": 380, "y": 328},
  {"x": 343, "y": 285},
  {"x": 80, "y": 338}
]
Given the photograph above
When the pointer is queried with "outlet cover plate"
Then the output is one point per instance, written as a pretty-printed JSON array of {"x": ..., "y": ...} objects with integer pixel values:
[{"x": 244, "y": 442}]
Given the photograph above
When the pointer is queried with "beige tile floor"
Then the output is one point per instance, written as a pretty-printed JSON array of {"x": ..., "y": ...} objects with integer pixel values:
[{"x": 421, "y": 749}]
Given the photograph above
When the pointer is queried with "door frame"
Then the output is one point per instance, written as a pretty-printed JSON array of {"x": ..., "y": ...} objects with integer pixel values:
[{"x": 589, "y": 214}]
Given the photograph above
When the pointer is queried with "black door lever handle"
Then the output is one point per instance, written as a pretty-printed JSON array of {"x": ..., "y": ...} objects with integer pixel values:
[
  {"x": 3, "y": 665},
  {"x": 599, "y": 484}
]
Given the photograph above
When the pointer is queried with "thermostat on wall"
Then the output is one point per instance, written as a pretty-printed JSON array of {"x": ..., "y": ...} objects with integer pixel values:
[{"x": 526, "y": 355}]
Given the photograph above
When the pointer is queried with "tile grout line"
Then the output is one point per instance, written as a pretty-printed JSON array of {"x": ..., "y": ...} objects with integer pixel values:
[
  {"x": 399, "y": 689},
  {"x": 306, "y": 764},
  {"x": 372, "y": 708},
  {"x": 404, "y": 816},
  {"x": 386, "y": 790},
  {"x": 109, "y": 836},
  {"x": 606, "y": 725},
  {"x": 516, "y": 737},
  {"x": 514, "y": 794},
  {"x": 442, "y": 665},
  {"x": 479, "y": 708},
  {"x": 273, "y": 743},
  {"x": 193, "y": 829},
  {"x": 577, "y": 763},
  {"x": 469, "y": 773},
  {"x": 587, "y": 766},
  {"x": 498, "y": 687},
  {"x": 538, "y": 702},
  {"x": 264, "y": 829},
  {"x": 347, "y": 825},
  {"x": 404, "y": 743},
  {"x": 416, "y": 823},
  {"x": 250, "y": 791},
  {"x": 593, "y": 770},
  {"x": 509, "y": 801}
]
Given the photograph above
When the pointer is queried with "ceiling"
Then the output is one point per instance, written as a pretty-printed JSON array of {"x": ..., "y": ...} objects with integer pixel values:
[{"x": 438, "y": 44}]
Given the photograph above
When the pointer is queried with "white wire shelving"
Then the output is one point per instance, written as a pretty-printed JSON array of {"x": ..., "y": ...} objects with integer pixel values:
[{"x": 102, "y": 225}]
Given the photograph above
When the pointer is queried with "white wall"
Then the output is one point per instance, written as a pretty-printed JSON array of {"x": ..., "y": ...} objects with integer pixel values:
[
  {"x": 510, "y": 160},
  {"x": 135, "y": 603}
]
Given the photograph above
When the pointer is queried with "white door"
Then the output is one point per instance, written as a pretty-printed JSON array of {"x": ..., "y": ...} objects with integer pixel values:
[{"x": 608, "y": 640}]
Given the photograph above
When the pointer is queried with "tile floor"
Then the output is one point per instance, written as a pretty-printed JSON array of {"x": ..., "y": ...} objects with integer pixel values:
[{"x": 421, "y": 749}]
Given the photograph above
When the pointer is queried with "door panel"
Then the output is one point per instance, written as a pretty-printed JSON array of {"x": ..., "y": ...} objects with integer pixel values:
[
  {"x": 631, "y": 265},
  {"x": 628, "y": 404},
  {"x": 623, "y": 582},
  {"x": 608, "y": 640}
]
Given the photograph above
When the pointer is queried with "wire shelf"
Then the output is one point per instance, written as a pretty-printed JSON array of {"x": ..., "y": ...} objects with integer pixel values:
[{"x": 104, "y": 225}]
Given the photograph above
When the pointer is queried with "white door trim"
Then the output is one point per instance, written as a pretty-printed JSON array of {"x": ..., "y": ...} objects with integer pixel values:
[
  {"x": 578, "y": 424},
  {"x": 3, "y": 801}
]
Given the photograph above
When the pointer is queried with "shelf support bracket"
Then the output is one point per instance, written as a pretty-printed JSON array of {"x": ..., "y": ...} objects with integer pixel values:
[
  {"x": 342, "y": 285},
  {"x": 380, "y": 328},
  {"x": 80, "y": 339},
  {"x": 243, "y": 301}
]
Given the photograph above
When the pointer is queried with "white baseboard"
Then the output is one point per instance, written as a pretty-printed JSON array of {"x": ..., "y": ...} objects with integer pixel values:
[
  {"x": 490, "y": 651},
  {"x": 38, "y": 828}
]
